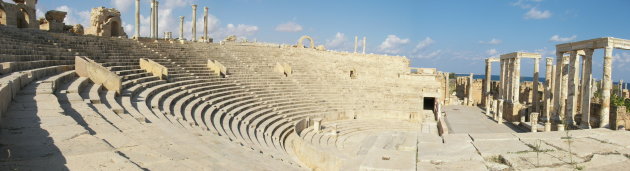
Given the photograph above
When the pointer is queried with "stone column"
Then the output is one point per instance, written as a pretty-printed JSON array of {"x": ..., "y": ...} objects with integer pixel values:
[
  {"x": 606, "y": 88},
  {"x": 152, "y": 19},
  {"x": 547, "y": 100},
  {"x": 181, "y": 27},
  {"x": 356, "y": 43},
  {"x": 137, "y": 19},
  {"x": 194, "y": 23},
  {"x": 558, "y": 110},
  {"x": 587, "y": 78},
  {"x": 470, "y": 89},
  {"x": 535, "y": 98},
  {"x": 486, "y": 86},
  {"x": 572, "y": 89},
  {"x": 508, "y": 79},
  {"x": 448, "y": 94},
  {"x": 517, "y": 80},
  {"x": 533, "y": 118},
  {"x": 564, "y": 84},
  {"x": 205, "y": 24},
  {"x": 157, "y": 16},
  {"x": 499, "y": 117},
  {"x": 547, "y": 85},
  {"x": 494, "y": 108},
  {"x": 620, "y": 88},
  {"x": 364, "y": 44},
  {"x": 501, "y": 82},
  {"x": 511, "y": 82},
  {"x": 547, "y": 114}
]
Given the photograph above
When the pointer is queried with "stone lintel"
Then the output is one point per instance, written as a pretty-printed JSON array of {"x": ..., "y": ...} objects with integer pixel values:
[
  {"x": 493, "y": 59},
  {"x": 597, "y": 43},
  {"x": 520, "y": 55}
]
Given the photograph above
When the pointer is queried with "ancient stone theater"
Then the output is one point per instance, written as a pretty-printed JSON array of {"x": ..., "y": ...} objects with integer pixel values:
[{"x": 93, "y": 97}]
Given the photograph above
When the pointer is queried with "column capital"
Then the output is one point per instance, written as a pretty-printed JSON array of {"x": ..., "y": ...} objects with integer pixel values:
[
  {"x": 194, "y": 6},
  {"x": 206, "y": 8},
  {"x": 181, "y": 17},
  {"x": 157, "y": 3}
]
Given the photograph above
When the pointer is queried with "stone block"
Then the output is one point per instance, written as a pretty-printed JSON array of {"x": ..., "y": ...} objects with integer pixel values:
[
  {"x": 493, "y": 136},
  {"x": 447, "y": 152},
  {"x": 494, "y": 148},
  {"x": 583, "y": 147}
]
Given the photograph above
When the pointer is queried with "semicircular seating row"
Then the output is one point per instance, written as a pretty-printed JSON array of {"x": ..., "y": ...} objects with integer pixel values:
[
  {"x": 191, "y": 97},
  {"x": 253, "y": 107}
]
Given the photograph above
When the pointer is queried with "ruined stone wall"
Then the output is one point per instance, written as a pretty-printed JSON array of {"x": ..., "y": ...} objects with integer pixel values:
[
  {"x": 461, "y": 89},
  {"x": 98, "y": 74},
  {"x": 527, "y": 92},
  {"x": 18, "y": 15},
  {"x": 619, "y": 117},
  {"x": 106, "y": 22}
]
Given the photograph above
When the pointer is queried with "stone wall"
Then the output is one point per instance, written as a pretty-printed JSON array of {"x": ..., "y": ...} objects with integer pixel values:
[
  {"x": 216, "y": 67},
  {"x": 18, "y": 15},
  {"x": 619, "y": 117},
  {"x": 154, "y": 68},
  {"x": 85, "y": 67},
  {"x": 309, "y": 154},
  {"x": 106, "y": 22},
  {"x": 461, "y": 89},
  {"x": 53, "y": 21},
  {"x": 11, "y": 84}
]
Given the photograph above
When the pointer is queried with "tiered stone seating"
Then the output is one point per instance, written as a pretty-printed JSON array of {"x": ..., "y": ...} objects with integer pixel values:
[{"x": 203, "y": 120}]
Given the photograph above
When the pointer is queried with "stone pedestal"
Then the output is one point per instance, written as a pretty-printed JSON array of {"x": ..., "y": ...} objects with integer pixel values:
[
  {"x": 512, "y": 111},
  {"x": 547, "y": 127},
  {"x": 533, "y": 118},
  {"x": 560, "y": 127},
  {"x": 500, "y": 108}
]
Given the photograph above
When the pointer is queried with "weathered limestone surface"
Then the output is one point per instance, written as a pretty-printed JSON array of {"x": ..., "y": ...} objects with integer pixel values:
[
  {"x": 53, "y": 21},
  {"x": 105, "y": 22},
  {"x": 98, "y": 74},
  {"x": 154, "y": 68},
  {"x": 20, "y": 15},
  {"x": 217, "y": 67}
]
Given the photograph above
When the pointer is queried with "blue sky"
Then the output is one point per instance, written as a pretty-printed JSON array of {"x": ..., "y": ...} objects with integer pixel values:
[{"x": 451, "y": 35}]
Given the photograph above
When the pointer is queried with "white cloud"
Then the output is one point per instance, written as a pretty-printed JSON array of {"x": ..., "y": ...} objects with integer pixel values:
[
  {"x": 123, "y": 5},
  {"x": 40, "y": 13},
  {"x": 427, "y": 55},
  {"x": 392, "y": 44},
  {"x": 128, "y": 29},
  {"x": 545, "y": 52},
  {"x": 621, "y": 61},
  {"x": 525, "y": 3},
  {"x": 423, "y": 44},
  {"x": 240, "y": 30},
  {"x": 289, "y": 27},
  {"x": 557, "y": 38},
  {"x": 339, "y": 42},
  {"x": 493, "y": 41},
  {"x": 492, "y": 52},
  {"x": 534, "y": 13},
  {"x": 75, "y": 17}
]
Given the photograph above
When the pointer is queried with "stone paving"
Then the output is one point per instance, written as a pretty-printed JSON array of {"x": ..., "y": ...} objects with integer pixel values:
[{"x": 469, "y": 119}]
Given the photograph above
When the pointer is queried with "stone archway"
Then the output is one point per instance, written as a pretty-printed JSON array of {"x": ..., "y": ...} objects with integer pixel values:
[
  {"x": 114, "y": 29},
  {"x": 23, "y": 19},
  {"x": 301, "y": 40},
  {"x": 3, "y": 16}
]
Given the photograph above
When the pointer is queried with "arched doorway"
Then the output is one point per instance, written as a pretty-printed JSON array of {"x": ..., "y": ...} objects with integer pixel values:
[
  {"x": 23, "y": 19},
  {"x": 114, "y": 27},
  {"x": 3, "y": 17},
  {"x": 301, "y": 40}
]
